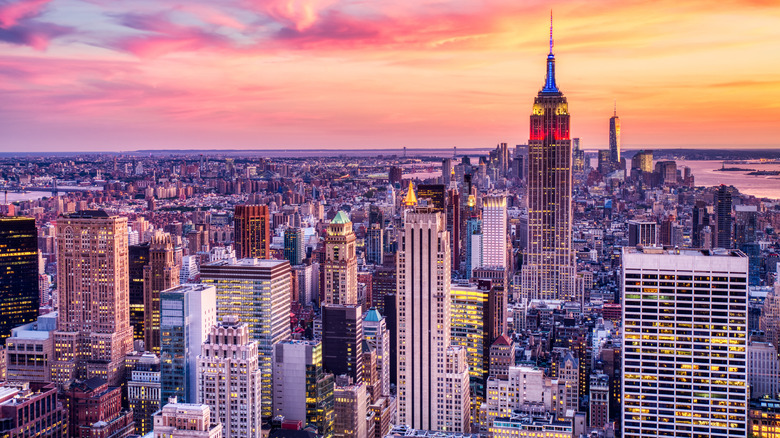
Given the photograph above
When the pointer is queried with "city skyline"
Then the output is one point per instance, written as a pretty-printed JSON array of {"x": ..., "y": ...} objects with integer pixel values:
[{"x": 93, "y": 76}]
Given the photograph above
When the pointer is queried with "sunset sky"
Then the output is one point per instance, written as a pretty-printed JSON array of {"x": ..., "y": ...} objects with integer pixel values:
[{"x": 108, "y": 75}]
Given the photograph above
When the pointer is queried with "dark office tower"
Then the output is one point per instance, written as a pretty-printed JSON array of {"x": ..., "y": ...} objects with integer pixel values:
[
  {"x": 395, "y": 175},
  {"x": 614, "y": 137},
  {"x": 19, "y": 297},
  {"x": 139, "y": 257},
  {"x": 252, "y": 231},
  {"x": 391, "y": 313},
  {"x": 642, "y": 161},
  {"x": 577, "y": 155},
  {"x": 384, "y": 283},
  {"x": 548, "y": 272},
  {"x": 342, "y": 340},
  {"x": 454, "y": 226},
  {"x": 436, "y": 194},
  {"x": 700, "y": 219},
  {"x": 375, "y": 244},
  {"x": 745, "y": 223},
  {"x": 375, "y": 216},
  {"x": 293, "y": 246},
  {"x": 723, "y": 212},
  {"x": 604, "y": 163},
  {"x": 160, "y": 274}
]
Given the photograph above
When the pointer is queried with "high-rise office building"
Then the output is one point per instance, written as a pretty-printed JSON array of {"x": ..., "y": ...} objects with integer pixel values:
[
  {"x": 375, "y": 244},
  {"x": 252, "y": 229},
  {"x": 302, "y": 389},
  {"x": 454, "y": 225},
  {"x": 187, "y": 314},
  {"x": 161, "y": 273},
  {"x": 143, "y": 389},
  {"x": 474, "y": 248},
  {"x": 342, "y": 340},
  {"x": 433, "y": 377},
  {"x": 548, "y": 271},
  {"x": 494, "y": 232},
  {"x": 139, "y": 258},
  {"x": 577, "y": 155},
  {"x": 446, "y": 171},
  {"x": 643, "y": 233},
  {"x": 763, "y": 370},
  {"x": 377, "y": 336},
  {"x": 700, "y": 220},
  {"x": 350, "y": 407},
  {"x": 19, "y": 297},
  {"x": 436, "y": 195},
  {"x": 340, "y": 262},
  {"x": 229, "y": 379},
  {"x": 614, "y": 138},
  {"x": 93, "y": 327},
  {"x": 259, "y": 293},
  {"x": 642, "y": 161},
  {"x": 723, "y": 218},
  {"x": 684, "y": 369},
  {"x": 293, "y": 246}
]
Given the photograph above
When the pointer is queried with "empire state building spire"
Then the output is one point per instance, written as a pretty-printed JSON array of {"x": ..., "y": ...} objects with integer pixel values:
[{"x": 549, "y": 84}]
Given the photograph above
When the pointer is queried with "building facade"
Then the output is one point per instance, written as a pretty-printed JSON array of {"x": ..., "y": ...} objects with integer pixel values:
[
  {"x": 549, "y": 269},
  {"x": 684, "y": 312},
  {"x": 229, "y": 379},
  {"x": 19, "y": 295},
  {"x": 340, "y": 262},
  {"x": 92, "y": 267},
  {"x": 259, "y": 293},
  {"x": 161, "y": 273},
  {"x": 252, "y": 224}
]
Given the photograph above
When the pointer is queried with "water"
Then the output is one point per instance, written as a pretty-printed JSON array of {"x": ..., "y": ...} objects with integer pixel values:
[
  {"x": 21, "y": 197},
  {"x": 760, "y": 186}
]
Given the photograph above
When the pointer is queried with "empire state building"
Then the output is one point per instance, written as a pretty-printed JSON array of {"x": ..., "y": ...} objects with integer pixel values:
[{"x": 548, "y": 266}]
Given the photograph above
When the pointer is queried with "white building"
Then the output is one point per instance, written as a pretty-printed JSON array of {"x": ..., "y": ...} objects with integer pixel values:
[
  {"x": 684, "y": 368},
  {"x": 763, "y": 370},
  {"x": 229, "y": 379},
  {"x": 429, "y": 370},
  {"x": 183, "y": 420},
  {"x": 494, "y": 232},
  {"x": 189, "y": 269},
  {"x": 376, "y": 334}
]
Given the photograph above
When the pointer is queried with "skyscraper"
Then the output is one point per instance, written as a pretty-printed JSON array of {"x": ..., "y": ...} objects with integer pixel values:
[
  {"x": 684, "y": 371},
  {"x": 19, "y": 297},
  {"x": 723, "y": 218},
  {"x": 375, "y": 244},
  {"x": 342, "y": 340},
  {"x": 302, "y": 389},
  {"x": 139, "y": 258},
  {"x": 162, "y": 272},
  {"x": 614, "y": 138},
  {"x": 293, "y": 246},
  {"x": 229, "y": 379},
  {"x": 252, "y": 231},
  {"x": 259, "y": 293},
  {"x": 494, "y": 232},
  {"x": 548, "y": 271},
  {"x": 433, "y": 376},
  {"x": 93, "y": 327},
  {"x": 340, "y": 262},
  {"x": 188, "y": 313},
  {"x": 377, "y": 336}
]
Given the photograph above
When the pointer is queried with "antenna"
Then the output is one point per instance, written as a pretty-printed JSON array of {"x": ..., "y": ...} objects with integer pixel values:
[
  {"x": 551, "y": 31},
  {"x": 615, "y": 113}
]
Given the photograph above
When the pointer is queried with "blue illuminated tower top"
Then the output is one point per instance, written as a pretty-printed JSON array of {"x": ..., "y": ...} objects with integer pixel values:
[{"x": 549, "y": 83}]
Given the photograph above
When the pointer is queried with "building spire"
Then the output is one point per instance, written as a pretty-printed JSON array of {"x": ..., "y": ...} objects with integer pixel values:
[
  {"x": 549, "y": 83},
  {"x": 615, "y": 113},
  {"x": 551, "y": 33}
]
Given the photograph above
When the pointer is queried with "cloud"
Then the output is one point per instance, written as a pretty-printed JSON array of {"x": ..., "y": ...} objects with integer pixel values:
[
  {"x": 163, "y": 36},
  {"x": 18, "y": 25}
]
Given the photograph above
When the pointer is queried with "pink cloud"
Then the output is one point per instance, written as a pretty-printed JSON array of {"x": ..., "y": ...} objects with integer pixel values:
[{"x": 12, "y": 13}]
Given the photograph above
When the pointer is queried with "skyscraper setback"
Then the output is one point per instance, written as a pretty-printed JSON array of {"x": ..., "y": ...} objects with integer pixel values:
[
  {"x": 93, "y": 328},
  {"x": 548, "y": 271},
  {"x": 161, "y": 273}
]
